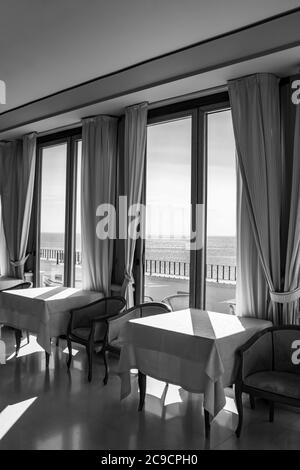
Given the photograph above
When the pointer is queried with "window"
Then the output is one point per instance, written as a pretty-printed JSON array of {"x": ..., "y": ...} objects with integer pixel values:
[
  {"x": 52, "y": 214},
  {"x": 191, "y": 184},
  {"x": 168, "y": 197},
  {"x": 78, "y": 258},
  {"x": 58, "y": 240},
  {"x": 221, "y": 212}
]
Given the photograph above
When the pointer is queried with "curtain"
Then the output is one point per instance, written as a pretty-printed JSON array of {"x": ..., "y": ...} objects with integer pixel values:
[
  {"x": 251, "y": 287},
  {"x": 255, "y": 108},
  {"x": 17, "y": 173},
  {"x": 291, "y": 208},
  {"x": 134, "y": 164},
  {"x": 99, "y": 157}
]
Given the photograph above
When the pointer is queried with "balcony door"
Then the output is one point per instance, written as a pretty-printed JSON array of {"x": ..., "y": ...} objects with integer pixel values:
[
  {"x": 57, "y": 212},
  {"x": 168, "y": 209}
]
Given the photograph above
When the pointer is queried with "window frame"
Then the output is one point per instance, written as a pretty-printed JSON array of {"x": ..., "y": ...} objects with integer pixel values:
[
  {"x": 70, "y": 138},
  {"x": 198, "y": 110}
]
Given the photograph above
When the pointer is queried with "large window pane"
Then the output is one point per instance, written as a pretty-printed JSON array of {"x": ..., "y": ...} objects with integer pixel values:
[
  {"x": 52, "y": 223},
  {"x": 78, "y": 265},
  {"x": 168, "y": 198},
  {"x": 221, "y": 213}
]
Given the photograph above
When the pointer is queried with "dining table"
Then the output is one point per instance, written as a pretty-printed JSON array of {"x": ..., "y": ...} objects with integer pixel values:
[
  {"x": 44, "y": 311},
  {"x": 8, "y": 282},
  {"x": 192, "y": 348}
]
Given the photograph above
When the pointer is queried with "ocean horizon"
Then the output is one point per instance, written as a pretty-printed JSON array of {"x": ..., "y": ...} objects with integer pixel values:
[{"x": 220, "y": 249}]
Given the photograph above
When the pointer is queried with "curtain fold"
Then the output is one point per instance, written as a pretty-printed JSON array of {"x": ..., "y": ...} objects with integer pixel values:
[
  {"x": 134, "y": 164},
  {"x": 17, "y": 173},
  {"x": 291, "y": 217},
  {"x": 98, "y": 186},
  {"x": 255, "y": 108}
]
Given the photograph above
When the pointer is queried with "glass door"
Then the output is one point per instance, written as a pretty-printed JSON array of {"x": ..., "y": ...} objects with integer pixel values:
[
  {"x": 221, "y": 213},
  {"x": 52, "y": 214},
  {"x": 168, "y": 211}
]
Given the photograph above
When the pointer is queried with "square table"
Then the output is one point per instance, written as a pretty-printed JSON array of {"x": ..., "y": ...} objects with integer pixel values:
[
  {"x": 194, "y": 349},
  {"x": 7, "y": 282},
  {"x": 43, "y": 310}
]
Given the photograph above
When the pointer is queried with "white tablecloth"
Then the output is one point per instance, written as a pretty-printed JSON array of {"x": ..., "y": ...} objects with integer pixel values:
[
  {"x": 7, "y": 282},
  {"x": 192, "y": 348},
  {"x": 43, "y": 310}
]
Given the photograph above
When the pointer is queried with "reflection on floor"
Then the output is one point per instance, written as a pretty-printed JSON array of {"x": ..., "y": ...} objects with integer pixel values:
[{"x": 55, "y": 410}]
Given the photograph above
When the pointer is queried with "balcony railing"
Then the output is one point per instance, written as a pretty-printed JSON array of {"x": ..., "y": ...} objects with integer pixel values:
[
  {"x": 180, "y": 269},
  {"x": 172, "y": 269},
  {"x": 58, "y": 256}
]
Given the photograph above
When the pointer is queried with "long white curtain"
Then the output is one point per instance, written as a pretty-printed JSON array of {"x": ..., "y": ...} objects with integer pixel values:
[
  {"x": 99, "y": 154},
  {"x": 134, "y": 164},
  {"x": 292, "y": 265},
  {"x": 17, "y": 173},
  {"x": 255, "y": 108}
]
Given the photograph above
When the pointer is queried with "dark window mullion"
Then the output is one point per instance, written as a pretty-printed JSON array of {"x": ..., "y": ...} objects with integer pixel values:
[{"x": 69, "y": 251}]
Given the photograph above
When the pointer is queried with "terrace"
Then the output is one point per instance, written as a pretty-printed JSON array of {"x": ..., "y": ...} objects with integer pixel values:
[{"x": 162, "y": 278}]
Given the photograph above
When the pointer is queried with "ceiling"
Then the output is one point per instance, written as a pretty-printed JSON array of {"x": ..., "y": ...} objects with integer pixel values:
[{"x": 46, "y": 47}]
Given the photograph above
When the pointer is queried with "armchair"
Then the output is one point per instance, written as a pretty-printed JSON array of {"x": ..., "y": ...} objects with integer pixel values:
[
  {"x": 116, "y": 324},
  {"x": 177, "y": 302},
  {"x": 267, "y": 369},
  {"x": 89, "y": 326}
]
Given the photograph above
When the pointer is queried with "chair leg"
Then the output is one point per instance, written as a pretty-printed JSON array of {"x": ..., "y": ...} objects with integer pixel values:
[
  {"x": 57, "y": 341},
  {"x": 47, "y": 359},
  {"x": 106, "y": 366},
  {"x": 239, "y": 405},
  {"x": 28, "y": 338},
  {"x": 252, "y": 402},
  {"x": 70, "y": 352},
  {"x": 271, "y": 411},
  {"x": 207, "y": 423},
  {"x": 18, "y": 336},
  {"x": 89, "y": 351},
  {"x": 142, "y": 388}
]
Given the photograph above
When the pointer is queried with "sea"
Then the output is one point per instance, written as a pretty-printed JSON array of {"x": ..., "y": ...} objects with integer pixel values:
[{"x": 220, "y": 250}]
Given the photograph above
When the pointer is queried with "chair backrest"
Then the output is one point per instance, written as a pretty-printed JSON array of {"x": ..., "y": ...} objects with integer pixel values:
[
  {"x": 177, "y": 302},
  {"x": 117, "y": 324},
  {"x": 153, "y": 308},
  {"x": 286, "y": 349},
  {"x": 275, "y": 348},
  {"x": 22, "y": 285},
  {"x": 108, "y": 306},
  {"x": 146, "y": 309}
]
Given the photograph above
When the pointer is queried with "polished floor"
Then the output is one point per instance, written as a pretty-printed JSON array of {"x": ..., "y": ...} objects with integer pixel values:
[{"x": 54, "y": 409}]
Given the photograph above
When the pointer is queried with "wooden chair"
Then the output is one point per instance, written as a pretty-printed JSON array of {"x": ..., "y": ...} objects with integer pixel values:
[
  {"x": 116, "y": 324},
  {"x": 177, "y": 302},
  {"x": 267, "y": 369},
  {"x": 89, "y": 326}
]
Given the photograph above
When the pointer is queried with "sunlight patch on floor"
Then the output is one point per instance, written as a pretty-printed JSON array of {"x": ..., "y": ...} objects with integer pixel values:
[
  {"x": 27, "y": 349},
  {"x": 230, "y": 405},
  {"x": 74, "y": 351},
  {"x": 11, "y": 414}
]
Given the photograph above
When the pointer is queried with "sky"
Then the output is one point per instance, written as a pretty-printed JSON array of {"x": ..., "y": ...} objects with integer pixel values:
[{"x": 168, "y": 189}]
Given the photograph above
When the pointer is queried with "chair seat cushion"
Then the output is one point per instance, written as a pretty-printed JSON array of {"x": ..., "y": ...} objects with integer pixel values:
[{"x": 281, "y": 383}]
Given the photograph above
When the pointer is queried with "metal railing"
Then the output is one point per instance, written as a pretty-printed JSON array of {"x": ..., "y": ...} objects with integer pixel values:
[
  {"x": 58, "y": 256},
  {"x": 180, "y": 269},
  {"x": 174, "y": 269}
]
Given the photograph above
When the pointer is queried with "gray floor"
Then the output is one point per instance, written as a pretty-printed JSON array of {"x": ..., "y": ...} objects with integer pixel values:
[{"x": 55, "y": 410}]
